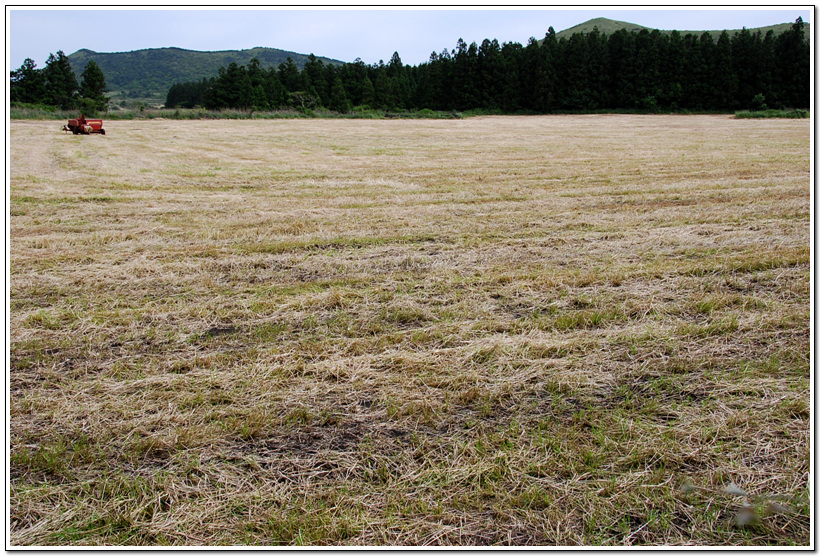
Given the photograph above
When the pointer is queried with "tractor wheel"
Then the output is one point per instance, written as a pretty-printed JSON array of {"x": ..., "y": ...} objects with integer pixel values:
[{"x": 102, "y": 132}]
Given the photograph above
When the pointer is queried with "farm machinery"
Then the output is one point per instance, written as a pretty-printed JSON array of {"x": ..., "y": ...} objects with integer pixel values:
[{"x": 84, "y": 126}]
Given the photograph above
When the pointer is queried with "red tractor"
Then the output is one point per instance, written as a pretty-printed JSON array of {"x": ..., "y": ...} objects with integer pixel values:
[{"x": 84, "y": 126}]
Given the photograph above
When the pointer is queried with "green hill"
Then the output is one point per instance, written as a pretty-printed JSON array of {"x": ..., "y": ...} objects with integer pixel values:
[
  {"x": 151, "y": 72},
  {"x": 604, "y": 25},
  {"x": 609, "y": 26}
]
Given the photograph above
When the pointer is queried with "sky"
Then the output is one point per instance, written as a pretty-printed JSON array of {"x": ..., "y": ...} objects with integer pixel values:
[{"x": 368, "y": 33}]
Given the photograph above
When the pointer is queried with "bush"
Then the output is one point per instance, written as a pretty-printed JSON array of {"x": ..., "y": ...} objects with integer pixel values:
[
  {"x": 789, "y": 113},
  {"x": 89, "y": 107},
  {"x": 759, "y": 102}
]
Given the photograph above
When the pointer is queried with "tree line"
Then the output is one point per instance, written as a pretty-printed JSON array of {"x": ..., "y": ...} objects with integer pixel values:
[
  {"x": 645, "y": 70},
  {"x": 56, "y": 85}
]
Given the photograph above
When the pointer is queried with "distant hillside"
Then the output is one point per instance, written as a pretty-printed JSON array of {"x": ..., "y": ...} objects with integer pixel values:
[
  {"x": 604, "y": 25},
  {"x": 151, "y": 72},
  {"x": 609, "y": 26}
]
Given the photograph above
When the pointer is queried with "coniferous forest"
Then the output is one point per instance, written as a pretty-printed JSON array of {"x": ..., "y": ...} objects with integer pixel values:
[
  {"x": 645, "y": 71},
  {"x": 56, "y": 85}
]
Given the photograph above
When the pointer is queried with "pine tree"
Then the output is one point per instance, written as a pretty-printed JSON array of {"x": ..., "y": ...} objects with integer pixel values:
[
  {"x": 699, "y": 91},
  {"x": 767, "y": 68},
  {"x": 577, "y": 92},
  {"x": 465, "y": 76},
  {"x": 723, "y": 78},
  {"x": 27, "y": 84},
  {"x": 274, "y": 90},
  {"x": 313, "y": 80},
  {"x": 352, "y": 76},
  {"x": 93, "y": 88},
  {"x": 745, "y": 61},
  {"x": 368, "y": 92},
  {"x": 490, "y": 75},
  {"x": 338, "y": 97},
  {"x": 398, "y": 81},
  {"x": 510, "y": 89},
  {"x": 622, "y": 72},
  {"x": 672, "y": 71},
  {"x": 793, "y": 69},
  {"x": 386, "y": 88},
  {"x": 60, "y": 81},
  {"x": 289, "y": 75},
  {"x": 257, "y": 97},
  {"x": 647, "y": 68}
]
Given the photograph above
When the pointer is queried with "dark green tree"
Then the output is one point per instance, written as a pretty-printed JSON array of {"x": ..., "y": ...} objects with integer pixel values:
[
  {"x": 368, "y": 92},
  {"x": 274, "y": 90},
  {"x": 386, "y": 89},
  {"x": 309, "y": 89},
  {"x": 187, "y": 95},
  {"x": 240, "y": 80},
  {"x": 767, "y": 65},
  {"x": 793, "y": 71},
  {"x": 353, "y": 76},
  {"x": 27, "y": 84},
  {"x": 511, "y": 99},
  {"x": 536, "y": 79},
  {"x": 622, "y": 76},
  {"x": 226, "y": 91},
  {"x": 338, "y": 98},
  {"x": 257, "y": 98},
  {"x": 598, "y": 68},
  {"x": 697, "y": 89},
  {"x": 582, "y": 67},
  {"x": 60, "y": 81},
  {"x": 289, "y": 75},
  {"x": 93, "y": 88},
  {"x": 672, "y": 71},
  {"x": 490, "y": 75},
  {"x": 434, "y": 87},
  {"x": 647, "y": 69},
  {"x": 313, "y": 79},
  {"x": 465, "y": 76},
  {"x": 399, "y": 81},
  {"x": 746, "y": 57},
  {"x": 723, "y": 78}
]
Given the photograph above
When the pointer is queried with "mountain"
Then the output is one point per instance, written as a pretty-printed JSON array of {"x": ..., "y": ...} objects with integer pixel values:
[
  {"x": 151, "y": 72},
  {"x": 604, "y": 25},
  {"x": 609, "y": 26}
]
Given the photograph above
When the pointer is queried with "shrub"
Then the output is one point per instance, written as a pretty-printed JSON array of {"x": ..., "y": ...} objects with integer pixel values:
[
  {"x": 759, "y": 102},
  {"x": 787, "y": 113}
]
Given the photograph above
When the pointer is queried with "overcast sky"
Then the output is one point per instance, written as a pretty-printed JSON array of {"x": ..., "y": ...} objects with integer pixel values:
[{"x": 371, "y": 34}]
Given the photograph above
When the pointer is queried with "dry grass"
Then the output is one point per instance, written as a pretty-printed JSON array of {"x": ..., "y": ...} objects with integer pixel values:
[{"x": 525, "y": 331}]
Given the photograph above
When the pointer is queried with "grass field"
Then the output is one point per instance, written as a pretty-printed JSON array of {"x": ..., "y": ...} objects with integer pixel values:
[{"x": 560, "y": 330}]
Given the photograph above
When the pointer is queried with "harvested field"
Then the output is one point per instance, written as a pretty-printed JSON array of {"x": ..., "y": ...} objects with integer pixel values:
[{"x": 559, "y": 330}]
